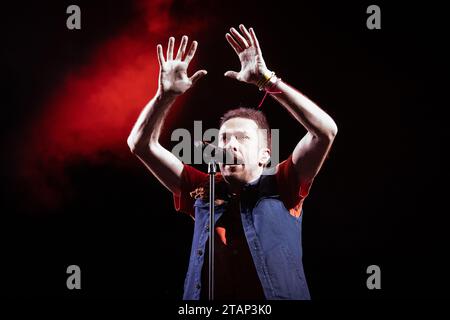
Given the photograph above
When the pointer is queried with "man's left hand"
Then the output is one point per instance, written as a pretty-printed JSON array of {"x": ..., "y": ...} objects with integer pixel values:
[{"x": 246, "y": 46}]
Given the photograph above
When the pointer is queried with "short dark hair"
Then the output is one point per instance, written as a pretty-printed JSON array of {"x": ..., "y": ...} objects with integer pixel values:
[{"x": 252, "y": 114}]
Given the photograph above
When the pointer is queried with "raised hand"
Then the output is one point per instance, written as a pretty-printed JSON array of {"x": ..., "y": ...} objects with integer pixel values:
[
  {"x": 246, "y": 46},
  {"x": 173, "y": 78}
]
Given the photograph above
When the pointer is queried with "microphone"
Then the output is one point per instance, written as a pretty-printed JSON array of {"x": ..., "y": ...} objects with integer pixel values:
[{"x": 212, "y": 152}]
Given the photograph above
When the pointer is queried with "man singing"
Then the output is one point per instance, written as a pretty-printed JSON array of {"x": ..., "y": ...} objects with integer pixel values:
[{"x": 258, "y": 249}]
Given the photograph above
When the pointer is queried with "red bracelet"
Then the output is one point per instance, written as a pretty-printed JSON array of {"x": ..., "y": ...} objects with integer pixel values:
[{"x": 268, "y": 90}]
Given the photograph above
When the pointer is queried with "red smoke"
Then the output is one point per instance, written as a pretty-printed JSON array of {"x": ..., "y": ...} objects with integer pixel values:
[{"x": 95, "y": 107}]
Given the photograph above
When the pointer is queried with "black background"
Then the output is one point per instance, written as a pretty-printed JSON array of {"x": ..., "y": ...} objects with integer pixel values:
[{"x": 379, "y": 199}]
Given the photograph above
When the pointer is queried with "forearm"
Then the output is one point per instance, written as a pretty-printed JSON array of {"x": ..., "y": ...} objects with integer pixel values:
[
  {"x": 148, "y": 126},
  {"x": 311, "y": 116}
]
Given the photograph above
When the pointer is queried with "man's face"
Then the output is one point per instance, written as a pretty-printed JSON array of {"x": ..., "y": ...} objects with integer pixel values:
[{"x": 243, "y": 139}]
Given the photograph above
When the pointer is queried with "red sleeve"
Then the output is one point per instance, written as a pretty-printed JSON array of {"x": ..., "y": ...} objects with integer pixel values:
[
  {"x": 191, "y": 178},
  {"x": 291, "y": 191}
]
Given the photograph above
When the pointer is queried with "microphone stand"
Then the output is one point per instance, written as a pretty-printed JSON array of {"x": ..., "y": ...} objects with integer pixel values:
[
  {"x": 212, "y": 164},
  {"x": 212, "y": 173}
]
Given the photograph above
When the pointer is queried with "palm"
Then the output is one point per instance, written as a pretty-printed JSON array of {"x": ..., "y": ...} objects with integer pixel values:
[
  {"x": 173, "y": 78},
  {"x": 252, "y": 65}
]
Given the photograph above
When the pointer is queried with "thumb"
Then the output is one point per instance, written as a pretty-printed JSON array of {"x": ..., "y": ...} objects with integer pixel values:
[
  {"x": 199, "y": 74},
  {"x": 231, "y": 74}
]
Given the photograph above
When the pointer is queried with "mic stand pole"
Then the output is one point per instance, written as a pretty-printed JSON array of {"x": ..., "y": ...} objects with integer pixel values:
[{"x": 212, "y": 173}]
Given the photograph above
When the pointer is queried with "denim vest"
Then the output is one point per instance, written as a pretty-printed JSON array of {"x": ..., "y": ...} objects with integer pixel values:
[{"x": 273, "y": 236}]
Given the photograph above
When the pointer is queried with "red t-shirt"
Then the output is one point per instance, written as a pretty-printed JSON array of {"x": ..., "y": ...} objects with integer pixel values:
[{"x": 236, "y": 276}]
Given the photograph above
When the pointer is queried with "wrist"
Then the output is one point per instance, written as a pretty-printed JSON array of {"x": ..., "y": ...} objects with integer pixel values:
[
  {"x": 262, "y": 75},
  {"x": 267, "y": 80},
  {"x": 165, "y": 96}
]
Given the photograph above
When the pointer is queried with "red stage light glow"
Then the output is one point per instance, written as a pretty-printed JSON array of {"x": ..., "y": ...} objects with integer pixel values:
[{"x": 94, "y": 108}]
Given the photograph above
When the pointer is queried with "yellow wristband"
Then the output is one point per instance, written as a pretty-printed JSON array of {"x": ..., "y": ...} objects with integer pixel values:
[{"x": 267, "y": 76}]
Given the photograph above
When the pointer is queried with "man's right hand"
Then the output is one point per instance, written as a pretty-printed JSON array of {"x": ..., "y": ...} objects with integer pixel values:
[
  {"x": 144, "y": 137},
  {"x": 173, "y": 78}
]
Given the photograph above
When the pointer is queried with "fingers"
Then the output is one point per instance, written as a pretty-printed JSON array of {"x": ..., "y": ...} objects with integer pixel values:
[
  {"x": 182, "y": 48},
  {"x": 240, "y": 39},
  {"x": 233, "y": 43},
  {"x": 191, "y": 52},
  {"x": 246, "y": 34},
  {"x": 160, "y": 55},
  {"x": 231, "y": 74},
  {"x": 255, "y": 40},
  {"x": 199, "y": 74},
  {"x": 239, "y": 42},
  {"x": 170, "y": 48}
]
